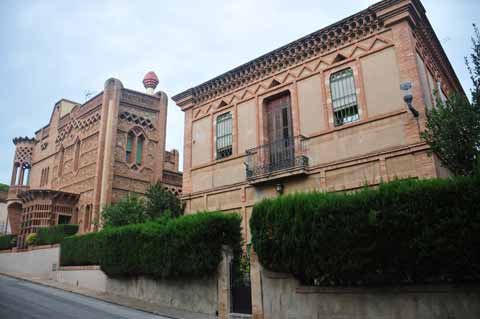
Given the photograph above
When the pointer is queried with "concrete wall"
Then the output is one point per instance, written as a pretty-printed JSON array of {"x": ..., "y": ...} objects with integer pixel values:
[
  {"x": 284, "y": 298},
  {"x": 37, "y": 262},
  {"x": 199, "y": 296},
  {"x": 207, "y": 296},
  {"x": 191, "y": 295},
  {"x": 89, "y": 277}
]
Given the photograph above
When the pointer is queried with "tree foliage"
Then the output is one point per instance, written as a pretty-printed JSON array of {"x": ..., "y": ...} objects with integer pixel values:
[
  {"x": 128, "y": 210},
  {"x": 473, "y": 65},
  {"x": 453, "y": 133},
  {"x": 159, "y": 200},
  {"x": 4, "y": 187},
  {"x": 453, "y": 126},
  {"x": 157, "y": 204}
]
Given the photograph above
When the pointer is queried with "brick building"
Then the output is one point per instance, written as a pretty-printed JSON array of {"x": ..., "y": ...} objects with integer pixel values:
[
  {"x": 90, "y": 155},
  {"x": 324, "y": 112},
  {"x": 4, "y": 228}
]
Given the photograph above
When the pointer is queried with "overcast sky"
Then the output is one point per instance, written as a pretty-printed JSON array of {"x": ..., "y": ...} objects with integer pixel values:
[{"x": 62, "y": 49}]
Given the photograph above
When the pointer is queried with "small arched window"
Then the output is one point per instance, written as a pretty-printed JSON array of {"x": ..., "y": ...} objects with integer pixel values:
[
  {"x": 60, "y": 161},
  {"x": 76, "y": 156},
  {"x": 135, "y": 146},
  {"x": 139, "y": 153},
  {"x": 128, "y": 153}
]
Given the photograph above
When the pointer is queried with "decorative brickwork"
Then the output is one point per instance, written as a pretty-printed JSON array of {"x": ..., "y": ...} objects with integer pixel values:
[{"x": 87, "y": 167}]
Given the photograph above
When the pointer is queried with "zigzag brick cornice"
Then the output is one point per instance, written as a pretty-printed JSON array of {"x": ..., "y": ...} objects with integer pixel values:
[
  {"x": 374, "y": 43},
  {"x": 137, "y": 119},
  {"x": 345, "y": 31},
  {"x": 79, "y": 124}
]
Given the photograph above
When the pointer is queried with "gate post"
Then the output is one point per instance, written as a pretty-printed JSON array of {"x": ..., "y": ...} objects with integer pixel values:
[
  {"x": 224, "y": 283},
  {"x": 256, "y": 284}
]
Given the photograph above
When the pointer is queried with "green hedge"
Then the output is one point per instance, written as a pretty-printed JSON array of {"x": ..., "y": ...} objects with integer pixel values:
[
  {"x": 55, "y": 234},
  {"x": 403, "y": 232},
  {"x": 8, "y": 241},
  {"x": 188, "y": 246}
]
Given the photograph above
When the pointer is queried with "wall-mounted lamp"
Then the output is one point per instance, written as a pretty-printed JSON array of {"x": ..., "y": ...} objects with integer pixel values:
[
  {"x": 279, "y": 188},
  {"x": 406, "y": 87}
]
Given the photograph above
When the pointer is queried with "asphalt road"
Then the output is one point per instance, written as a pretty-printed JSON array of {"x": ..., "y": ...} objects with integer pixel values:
[{"x": 24, "y": 300}]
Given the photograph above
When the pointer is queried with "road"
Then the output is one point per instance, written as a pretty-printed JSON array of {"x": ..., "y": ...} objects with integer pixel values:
[{"x": 24, "y": 300}]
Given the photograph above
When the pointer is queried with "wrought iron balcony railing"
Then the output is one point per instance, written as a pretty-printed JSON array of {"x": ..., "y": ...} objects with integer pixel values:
[{"x": 279, "y": 155}]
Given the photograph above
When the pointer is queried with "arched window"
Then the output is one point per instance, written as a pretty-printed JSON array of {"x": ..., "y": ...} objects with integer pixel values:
[
  {"x": 60, "y": 161},
  {"x": 76, "y": 156},
  {"x": 135, "y": 146},
  {"x": 139, "y": 153},
  {"x": 128, "y": 153},
  {"x": 344, "y": 97},
  {"x": 88, "y": 218}
]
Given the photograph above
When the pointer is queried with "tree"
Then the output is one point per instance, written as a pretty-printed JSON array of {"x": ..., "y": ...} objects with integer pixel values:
[
  {"x": 4, "y": 187},
  {"x": 129, "y": 210},
  {"x": 473, "y": 66},
  {"x": 160, "y": 200},
  {"x": 453, "y": 126}
]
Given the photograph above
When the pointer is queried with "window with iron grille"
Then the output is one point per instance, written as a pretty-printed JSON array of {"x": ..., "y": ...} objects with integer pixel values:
[
  {"x": 224, "y": 135},
  {"x": 344, "y": 97}
]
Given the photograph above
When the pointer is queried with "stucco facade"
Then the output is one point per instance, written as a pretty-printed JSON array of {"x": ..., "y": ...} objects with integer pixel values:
[
  {"x": 90, "y": 155},
  {"x": 378, "y": 49},
  {"x": 385, "y": 45}
]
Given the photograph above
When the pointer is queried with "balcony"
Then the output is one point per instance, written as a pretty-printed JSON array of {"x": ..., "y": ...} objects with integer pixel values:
[{"x": 278, "y": 159}]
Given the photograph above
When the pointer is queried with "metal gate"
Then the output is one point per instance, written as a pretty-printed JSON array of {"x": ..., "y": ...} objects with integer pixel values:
[{"x": 241, "y": 291}]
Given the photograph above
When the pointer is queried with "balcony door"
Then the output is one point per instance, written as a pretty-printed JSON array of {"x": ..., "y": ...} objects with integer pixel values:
[{"x": 281, "y": 150}]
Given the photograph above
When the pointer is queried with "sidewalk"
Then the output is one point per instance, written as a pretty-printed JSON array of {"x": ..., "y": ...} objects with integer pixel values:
[{"x": 122, "y": 301}]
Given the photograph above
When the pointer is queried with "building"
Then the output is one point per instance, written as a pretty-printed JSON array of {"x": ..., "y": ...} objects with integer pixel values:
[
  {"x": 325, "y": 112},
  {"x": 4, "y": 227},
  {"x": 90, "y": 155}
]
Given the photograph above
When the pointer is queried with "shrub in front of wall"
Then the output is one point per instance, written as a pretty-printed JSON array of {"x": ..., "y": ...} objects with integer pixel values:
[
  {"x": 31, "y": 239},
  {"x": 189, "y": 246},
  {"x": 8, "y": 241},
  {"x": 55, "y": 234},
  {"x": 404, "y": 232}
]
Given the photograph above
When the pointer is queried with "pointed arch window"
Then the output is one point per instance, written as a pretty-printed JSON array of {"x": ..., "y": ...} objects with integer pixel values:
[
  {"x": 76, "y": 156},
  {"x": 139, "y": 153},
  {"x": 128, "y": 153},
  {"x": 134, "y": 149},
  {"x": 60, "y": 162}
]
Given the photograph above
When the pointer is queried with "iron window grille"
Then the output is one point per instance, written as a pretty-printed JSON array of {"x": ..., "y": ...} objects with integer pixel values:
[
  {"x": 224, "y": 135},
  {"x": 344, "y": 97}
]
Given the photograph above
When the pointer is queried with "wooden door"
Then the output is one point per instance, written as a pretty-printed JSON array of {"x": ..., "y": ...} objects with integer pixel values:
[{"x": 280, "y": 133}]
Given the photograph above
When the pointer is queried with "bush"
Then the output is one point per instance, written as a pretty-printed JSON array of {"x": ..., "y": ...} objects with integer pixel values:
[
  {"x": 160, "y": 200},
  {"x": 404, "y": 232},
  {"x": 4, "y": 187},
  {"x": 129, "y": 210},
  {"x": 55, "y": 234},
  {"x": 189, "y": 246},
  {"x": 8, "y": 241},
  {"x": 31, "y": 239}
]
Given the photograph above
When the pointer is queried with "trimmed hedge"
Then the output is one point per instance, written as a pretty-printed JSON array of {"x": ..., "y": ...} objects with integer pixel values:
[
  {"x": 55, "y": 234},
  {"x": 403, "y": 232},
  {"x": 189, "y": 246},
  {"x": 8, "y": 241}
]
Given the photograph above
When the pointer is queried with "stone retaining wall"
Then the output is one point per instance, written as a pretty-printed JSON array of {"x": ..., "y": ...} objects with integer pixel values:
[{"x": 285, "y": 298}]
